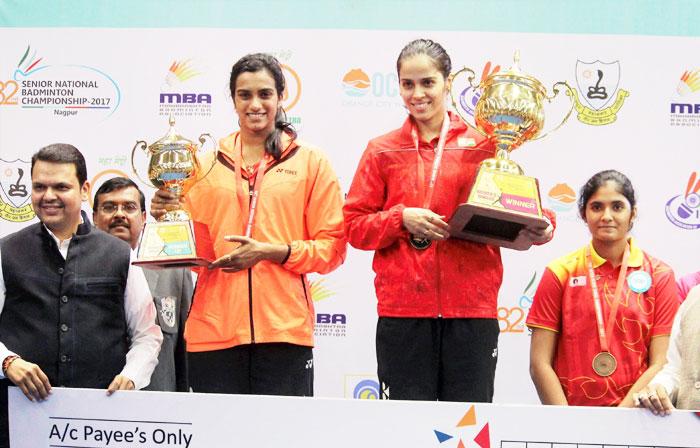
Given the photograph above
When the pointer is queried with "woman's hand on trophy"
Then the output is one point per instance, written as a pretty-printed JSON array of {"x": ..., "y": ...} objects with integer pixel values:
[
  {"x": 538, "y": 235},
  {"x": 249, "y": 253},
  {"x": 425, "y": 223},
  {"x": 164, "y": 201}
]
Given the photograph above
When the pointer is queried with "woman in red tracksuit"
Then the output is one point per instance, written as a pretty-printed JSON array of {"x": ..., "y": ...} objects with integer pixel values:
[{"x": 437, "y": 331}]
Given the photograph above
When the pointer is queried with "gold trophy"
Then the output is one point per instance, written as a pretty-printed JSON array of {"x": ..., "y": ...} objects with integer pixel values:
[
  {"x": 503, "y": 200},
  {"x": 174, "y": 167}
]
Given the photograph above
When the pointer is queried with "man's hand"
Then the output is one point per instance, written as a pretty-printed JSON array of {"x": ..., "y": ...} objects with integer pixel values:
[
  {"x": 655, "y": 398},
  {"x": 164, "y": 201},
  {"x": 30, "y": 379},
  {"x": 120, "y": 382}
]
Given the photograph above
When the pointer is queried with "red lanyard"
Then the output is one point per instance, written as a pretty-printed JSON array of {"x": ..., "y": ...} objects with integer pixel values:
[
  {"x": 605, "y": 334},
  {"x": 436, "y": 161},
  {"x": 254, "y": 187}
]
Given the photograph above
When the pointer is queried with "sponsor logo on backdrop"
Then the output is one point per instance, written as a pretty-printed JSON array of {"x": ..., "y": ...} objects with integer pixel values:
[
  {"x": 361, "y": 387},
  {"x": 100, "y": 178},
  {"x": 377, "y": 89},
  {"x": 685, "y": 106},
  {"x": 468, "y": 429},
  {"x": 512, "y": 319},
  {"x": 561, "y": 198},
  {"x": 327, "y": 324},
  {"x": 16, "y": 186},
  {"x": 181, "y": 97},
  {"x": 683, "y": 210},
  {"x": 67, "y": 90},
  {"x": 469, "y": 96},
  {"x": 599, "y": 97}
]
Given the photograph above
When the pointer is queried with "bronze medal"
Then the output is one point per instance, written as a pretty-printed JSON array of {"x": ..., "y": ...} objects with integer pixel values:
[
  {"x": 604, "y": 364},
  {"x": 419, "y": 243}
]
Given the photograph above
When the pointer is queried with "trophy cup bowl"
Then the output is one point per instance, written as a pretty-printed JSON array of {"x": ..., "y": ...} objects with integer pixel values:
[
  {"x": 173, "y": 166},
  {"x": 502, "y": 200}
]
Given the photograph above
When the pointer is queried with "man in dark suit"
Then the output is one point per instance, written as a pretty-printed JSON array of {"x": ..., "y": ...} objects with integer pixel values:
[
  {"x": 74, "y": 312},
  {"x": 119, "y": 209}
]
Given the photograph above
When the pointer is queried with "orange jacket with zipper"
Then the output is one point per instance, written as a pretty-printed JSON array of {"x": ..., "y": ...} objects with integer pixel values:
[{"x": 300, "y": 204}]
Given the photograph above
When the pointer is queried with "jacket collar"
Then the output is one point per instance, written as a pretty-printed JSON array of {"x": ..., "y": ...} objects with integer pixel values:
[
  {"x": 228, "y": 145},
  {"x": 635, "y": 260}
]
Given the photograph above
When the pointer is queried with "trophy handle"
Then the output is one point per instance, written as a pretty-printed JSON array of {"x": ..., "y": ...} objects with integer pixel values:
[
  {"x": 142, "y": 146},
  {"x": 202, "y": 140},
  {"x": 550, "y": 98},
  {"x": 471, "y": 76}
]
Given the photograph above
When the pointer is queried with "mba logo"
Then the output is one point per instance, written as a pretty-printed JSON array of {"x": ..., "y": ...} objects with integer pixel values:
[
  {"x": 181, "y": 93},
  {"x": 185, "y": 98},
  {"x": 685, "y": 107}
]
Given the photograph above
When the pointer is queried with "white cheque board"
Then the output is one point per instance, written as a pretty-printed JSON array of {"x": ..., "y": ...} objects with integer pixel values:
[{"x": 88, "y": 418}]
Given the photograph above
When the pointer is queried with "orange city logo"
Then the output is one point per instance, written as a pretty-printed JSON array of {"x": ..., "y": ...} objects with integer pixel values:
[
  {"x": 356, "y": 82},
  {"x": 561, "y": 198},
  {"x": 465, "y": 429}
]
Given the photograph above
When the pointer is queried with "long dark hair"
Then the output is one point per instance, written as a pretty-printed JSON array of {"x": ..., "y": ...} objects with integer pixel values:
[{"x": 254, "y": 63}]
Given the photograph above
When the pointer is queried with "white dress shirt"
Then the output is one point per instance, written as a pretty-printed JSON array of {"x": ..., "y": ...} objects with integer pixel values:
[
  {"x": 140, "y": 313},
  {"x": 668, "y": 377}
]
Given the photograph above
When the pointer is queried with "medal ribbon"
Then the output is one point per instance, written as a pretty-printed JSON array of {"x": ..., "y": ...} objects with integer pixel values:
[
  {"x": 436, "y": 161},
  {"x": 254, "y": 188},
  {"x": 605, "y": 334}
]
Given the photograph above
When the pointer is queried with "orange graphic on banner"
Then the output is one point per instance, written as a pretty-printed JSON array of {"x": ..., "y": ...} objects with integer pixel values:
[{"x": 469, "y": 418}]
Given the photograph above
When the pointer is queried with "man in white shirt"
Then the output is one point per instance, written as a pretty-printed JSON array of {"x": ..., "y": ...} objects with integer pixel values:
[
  {"x": 73, "y": 311},
  {"x": 678, "y": 383},
  {"x": 119, "y": 208}
]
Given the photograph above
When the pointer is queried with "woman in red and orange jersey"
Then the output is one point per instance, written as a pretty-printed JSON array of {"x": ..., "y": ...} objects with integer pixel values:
[{"x": 602, "y": 315}]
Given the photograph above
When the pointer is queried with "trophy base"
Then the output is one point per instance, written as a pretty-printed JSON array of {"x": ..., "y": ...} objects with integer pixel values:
[
  {"x": 168, "y": 245},
  {"x": 172, "y": 263},
  {"x": 495, "y": 227},
  {"x": 499, "y": 206}
]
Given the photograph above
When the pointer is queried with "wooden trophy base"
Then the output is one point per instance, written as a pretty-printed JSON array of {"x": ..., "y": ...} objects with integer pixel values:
[
  {"x": 168, "y": 245},
  {"x": 500, "y": 205}
]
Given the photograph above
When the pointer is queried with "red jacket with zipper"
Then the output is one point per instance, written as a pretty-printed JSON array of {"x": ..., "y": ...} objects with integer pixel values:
[{"x": 452, "y": 278}]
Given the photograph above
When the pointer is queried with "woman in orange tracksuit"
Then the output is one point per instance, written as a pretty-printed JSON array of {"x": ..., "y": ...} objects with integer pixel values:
[
  {"x": 437, "y": 331},
  {"x": 268, "y": 214}
]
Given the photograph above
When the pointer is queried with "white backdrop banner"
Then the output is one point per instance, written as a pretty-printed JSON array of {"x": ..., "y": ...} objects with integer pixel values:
[
  {"x": 637, "y": 110},
  {"x": 82, "y": 418}
]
